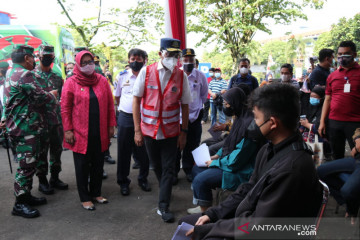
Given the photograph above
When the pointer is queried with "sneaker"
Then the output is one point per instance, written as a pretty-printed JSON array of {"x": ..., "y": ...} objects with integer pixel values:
[
  {"x": 194, "y": 210},
  {"x": 167, "y": 216}
]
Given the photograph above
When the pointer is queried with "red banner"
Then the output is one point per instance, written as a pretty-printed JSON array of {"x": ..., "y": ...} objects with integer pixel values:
[{"x": 177, "y": 16}]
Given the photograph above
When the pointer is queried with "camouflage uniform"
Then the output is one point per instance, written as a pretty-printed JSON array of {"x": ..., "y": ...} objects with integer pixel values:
[
  {"x": 24, "y": 104},
  {"x": 53, "y": 135}
]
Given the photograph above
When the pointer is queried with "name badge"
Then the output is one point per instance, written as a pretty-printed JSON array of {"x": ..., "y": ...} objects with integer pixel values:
[
  {"x": 126, "y": 84},
  {"x": 347, "y": 88},
  {"x": 152, "y": 87}
]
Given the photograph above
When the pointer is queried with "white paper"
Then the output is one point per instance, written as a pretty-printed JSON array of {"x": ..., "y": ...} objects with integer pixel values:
[
  {"x": 201, "y": 155},
  {"x": 181, "y": 231}
]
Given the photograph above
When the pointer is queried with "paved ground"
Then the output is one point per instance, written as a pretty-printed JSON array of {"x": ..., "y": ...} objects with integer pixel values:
[{"x": 131, "y": 217}]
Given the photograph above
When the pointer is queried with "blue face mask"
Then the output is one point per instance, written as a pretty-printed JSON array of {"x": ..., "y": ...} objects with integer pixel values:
[
  {"x": 217, "y": 75},
  {"x": 314, "y": 101}
]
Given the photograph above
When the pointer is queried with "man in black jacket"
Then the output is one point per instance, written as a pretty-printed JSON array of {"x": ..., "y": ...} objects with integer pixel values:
[{"x": 284, "y": 183}]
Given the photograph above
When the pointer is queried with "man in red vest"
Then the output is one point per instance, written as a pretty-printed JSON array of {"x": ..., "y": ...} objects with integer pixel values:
[{"x": 162, "y": 89}]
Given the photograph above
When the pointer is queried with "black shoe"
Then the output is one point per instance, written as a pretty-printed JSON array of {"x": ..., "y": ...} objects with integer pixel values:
[
  {"x": 125, "y": 190},
  {"x": 145, "y": 186},
  {"x": 167, "y": 216},
  {"x": 24, "y": 210},
  {"x": 55, "y": 182},
  {"x": 136, "y": 165},
  {"x": 44, "y": 186},
  {"x": 34, "y": 201},
  {"x": 109, "y": 160},
  {"x": 105, "y": 176},
  {"x": 189, "y": 177}
]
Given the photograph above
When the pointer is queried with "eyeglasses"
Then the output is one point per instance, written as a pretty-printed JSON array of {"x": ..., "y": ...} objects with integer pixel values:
[{"x": 91, "y": 62}]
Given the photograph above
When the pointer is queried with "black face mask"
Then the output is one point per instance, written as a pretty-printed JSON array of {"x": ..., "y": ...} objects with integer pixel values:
[
  {"x": 136, "y": 66},
  {"x": 189, "y": 67},
  {"x": 254, "y": 132},
  {"x": 228, "y": 111},
  {"x": 46, "y": 61}
]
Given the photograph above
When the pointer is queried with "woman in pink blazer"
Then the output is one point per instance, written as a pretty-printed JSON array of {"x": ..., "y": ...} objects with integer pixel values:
[{"x": 87, "y": 111}]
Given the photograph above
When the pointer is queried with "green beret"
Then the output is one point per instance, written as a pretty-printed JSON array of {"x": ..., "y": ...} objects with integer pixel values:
[
  {"x": 46, "y": 50},
  {"x": 22, "y": 48}
]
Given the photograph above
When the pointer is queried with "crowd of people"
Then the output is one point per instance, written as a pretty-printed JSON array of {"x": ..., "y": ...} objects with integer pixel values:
[{"x": 259, "y": 132}]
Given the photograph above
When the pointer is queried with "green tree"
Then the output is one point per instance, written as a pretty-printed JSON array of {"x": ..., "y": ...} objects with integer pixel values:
[
  {"x": 219, "y": 59},
  {"x": 342, "y": 31},
  {"x": 233, "y": 23},
  {"x": 135, "y": 28}
]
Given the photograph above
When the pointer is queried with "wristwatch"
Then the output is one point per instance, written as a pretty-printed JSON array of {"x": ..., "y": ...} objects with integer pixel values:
[{"x": 184, "y": 130}]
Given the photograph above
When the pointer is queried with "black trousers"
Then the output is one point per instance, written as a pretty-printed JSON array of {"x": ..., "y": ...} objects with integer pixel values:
[
  {"x": 193, "y": 139},
  {"x": 127, "y": 147},
  {"x": 206, "y": 110},
  {"x": 339, "y": 132},
  {"x": 92, "y": 164},
  {"x": 162, "y": 155}
]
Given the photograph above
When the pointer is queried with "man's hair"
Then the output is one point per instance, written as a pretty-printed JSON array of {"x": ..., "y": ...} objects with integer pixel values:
[
  {"x": 288, "y": 66},
  {"x": 349, "y": 44},
  {"x": 137, "y": 52},
  {"x": 70, "y": 63},
  {"x": 324, "y": 53},
  {"x": 244, "y": 60},
  {"x": 278, "y": 100},
  {"x": 212, "y": 70},
  {"x": 17, "y": 57},
  {"x": 196, "y": 61}
]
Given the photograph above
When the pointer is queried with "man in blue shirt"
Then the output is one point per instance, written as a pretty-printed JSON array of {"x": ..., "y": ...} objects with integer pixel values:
[{"x": 244, "y": 76}]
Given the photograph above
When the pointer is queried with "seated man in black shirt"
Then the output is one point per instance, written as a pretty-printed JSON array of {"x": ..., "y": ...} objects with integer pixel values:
[
  {"x": 284, "y": 183},
  {"x": 322, "y": 70}
]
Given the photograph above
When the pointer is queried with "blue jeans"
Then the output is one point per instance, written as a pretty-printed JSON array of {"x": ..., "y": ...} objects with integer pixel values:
[
  {"x": 333, "y": 173},
  {"x": 214, "y": 110},
  {"x": 205, "y": 179}
]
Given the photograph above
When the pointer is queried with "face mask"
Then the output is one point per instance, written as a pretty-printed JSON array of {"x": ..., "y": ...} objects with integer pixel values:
[
  {"x": 46, "y": 61},
  {"x": 314, "y": 101},
  {"x": 136, "y": 66},
  {"x": 244, "y": 70},
  {"x": 169, "y": 62},
  {"x": 254, "y": 132},
  {"x": 285, "y": 78},
  {"x": 211, "y": 74},
  {"x": 88, "y": 69},
  {"x": 217, "y": 75},
  {"x": 345, "y": 60},
  {"x": 188, "y": 67},
  {"x": 228, "y": 111}
]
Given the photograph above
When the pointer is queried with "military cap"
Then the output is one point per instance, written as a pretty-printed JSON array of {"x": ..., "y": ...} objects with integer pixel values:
[
  {"x": 4, "y": 64},
  {"x": 188, "y": 52},
  {"x": 96, "y": 59},
  {"x": 22, "y": 48},
  {"x": 79, "y": 49},
  {"x": 46, "y": 50},
  {"x": 170, "y": 44}
]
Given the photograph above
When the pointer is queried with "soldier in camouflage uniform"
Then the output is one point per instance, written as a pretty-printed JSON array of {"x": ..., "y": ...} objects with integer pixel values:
[
  {"x": 24, "y": 104},
  {"x": 49, "y": 80},
  {"x": 97, "y": 66}
]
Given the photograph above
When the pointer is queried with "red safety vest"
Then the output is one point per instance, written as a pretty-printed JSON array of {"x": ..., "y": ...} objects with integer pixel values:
[{"x": 161, "y": 109}]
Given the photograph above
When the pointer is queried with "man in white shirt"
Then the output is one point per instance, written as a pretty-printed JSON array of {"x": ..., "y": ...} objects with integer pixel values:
[
  {"x": 162, "y": 89},
  {"x": 126, "y": 145}
]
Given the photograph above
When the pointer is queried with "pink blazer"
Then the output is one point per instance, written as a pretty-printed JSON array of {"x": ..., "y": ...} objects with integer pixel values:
[{"x": 75, "y": 100}]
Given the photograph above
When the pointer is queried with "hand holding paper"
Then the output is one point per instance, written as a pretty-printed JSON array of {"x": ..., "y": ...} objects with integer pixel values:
[{"x": 201, "y": 155}]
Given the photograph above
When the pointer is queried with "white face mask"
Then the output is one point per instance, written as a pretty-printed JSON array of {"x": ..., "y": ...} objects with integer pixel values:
[
  {"x": 88, "y": 69},
  {"x": 244, "y": 70},
  {"x": 285, "y": 78},
  {"x": 169, "y": 62}
]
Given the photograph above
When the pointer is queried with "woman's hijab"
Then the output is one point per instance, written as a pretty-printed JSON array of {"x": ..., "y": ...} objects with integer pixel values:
[
  {"x": 82, "y": 78},
  {"x": 237, "y": 99}
]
